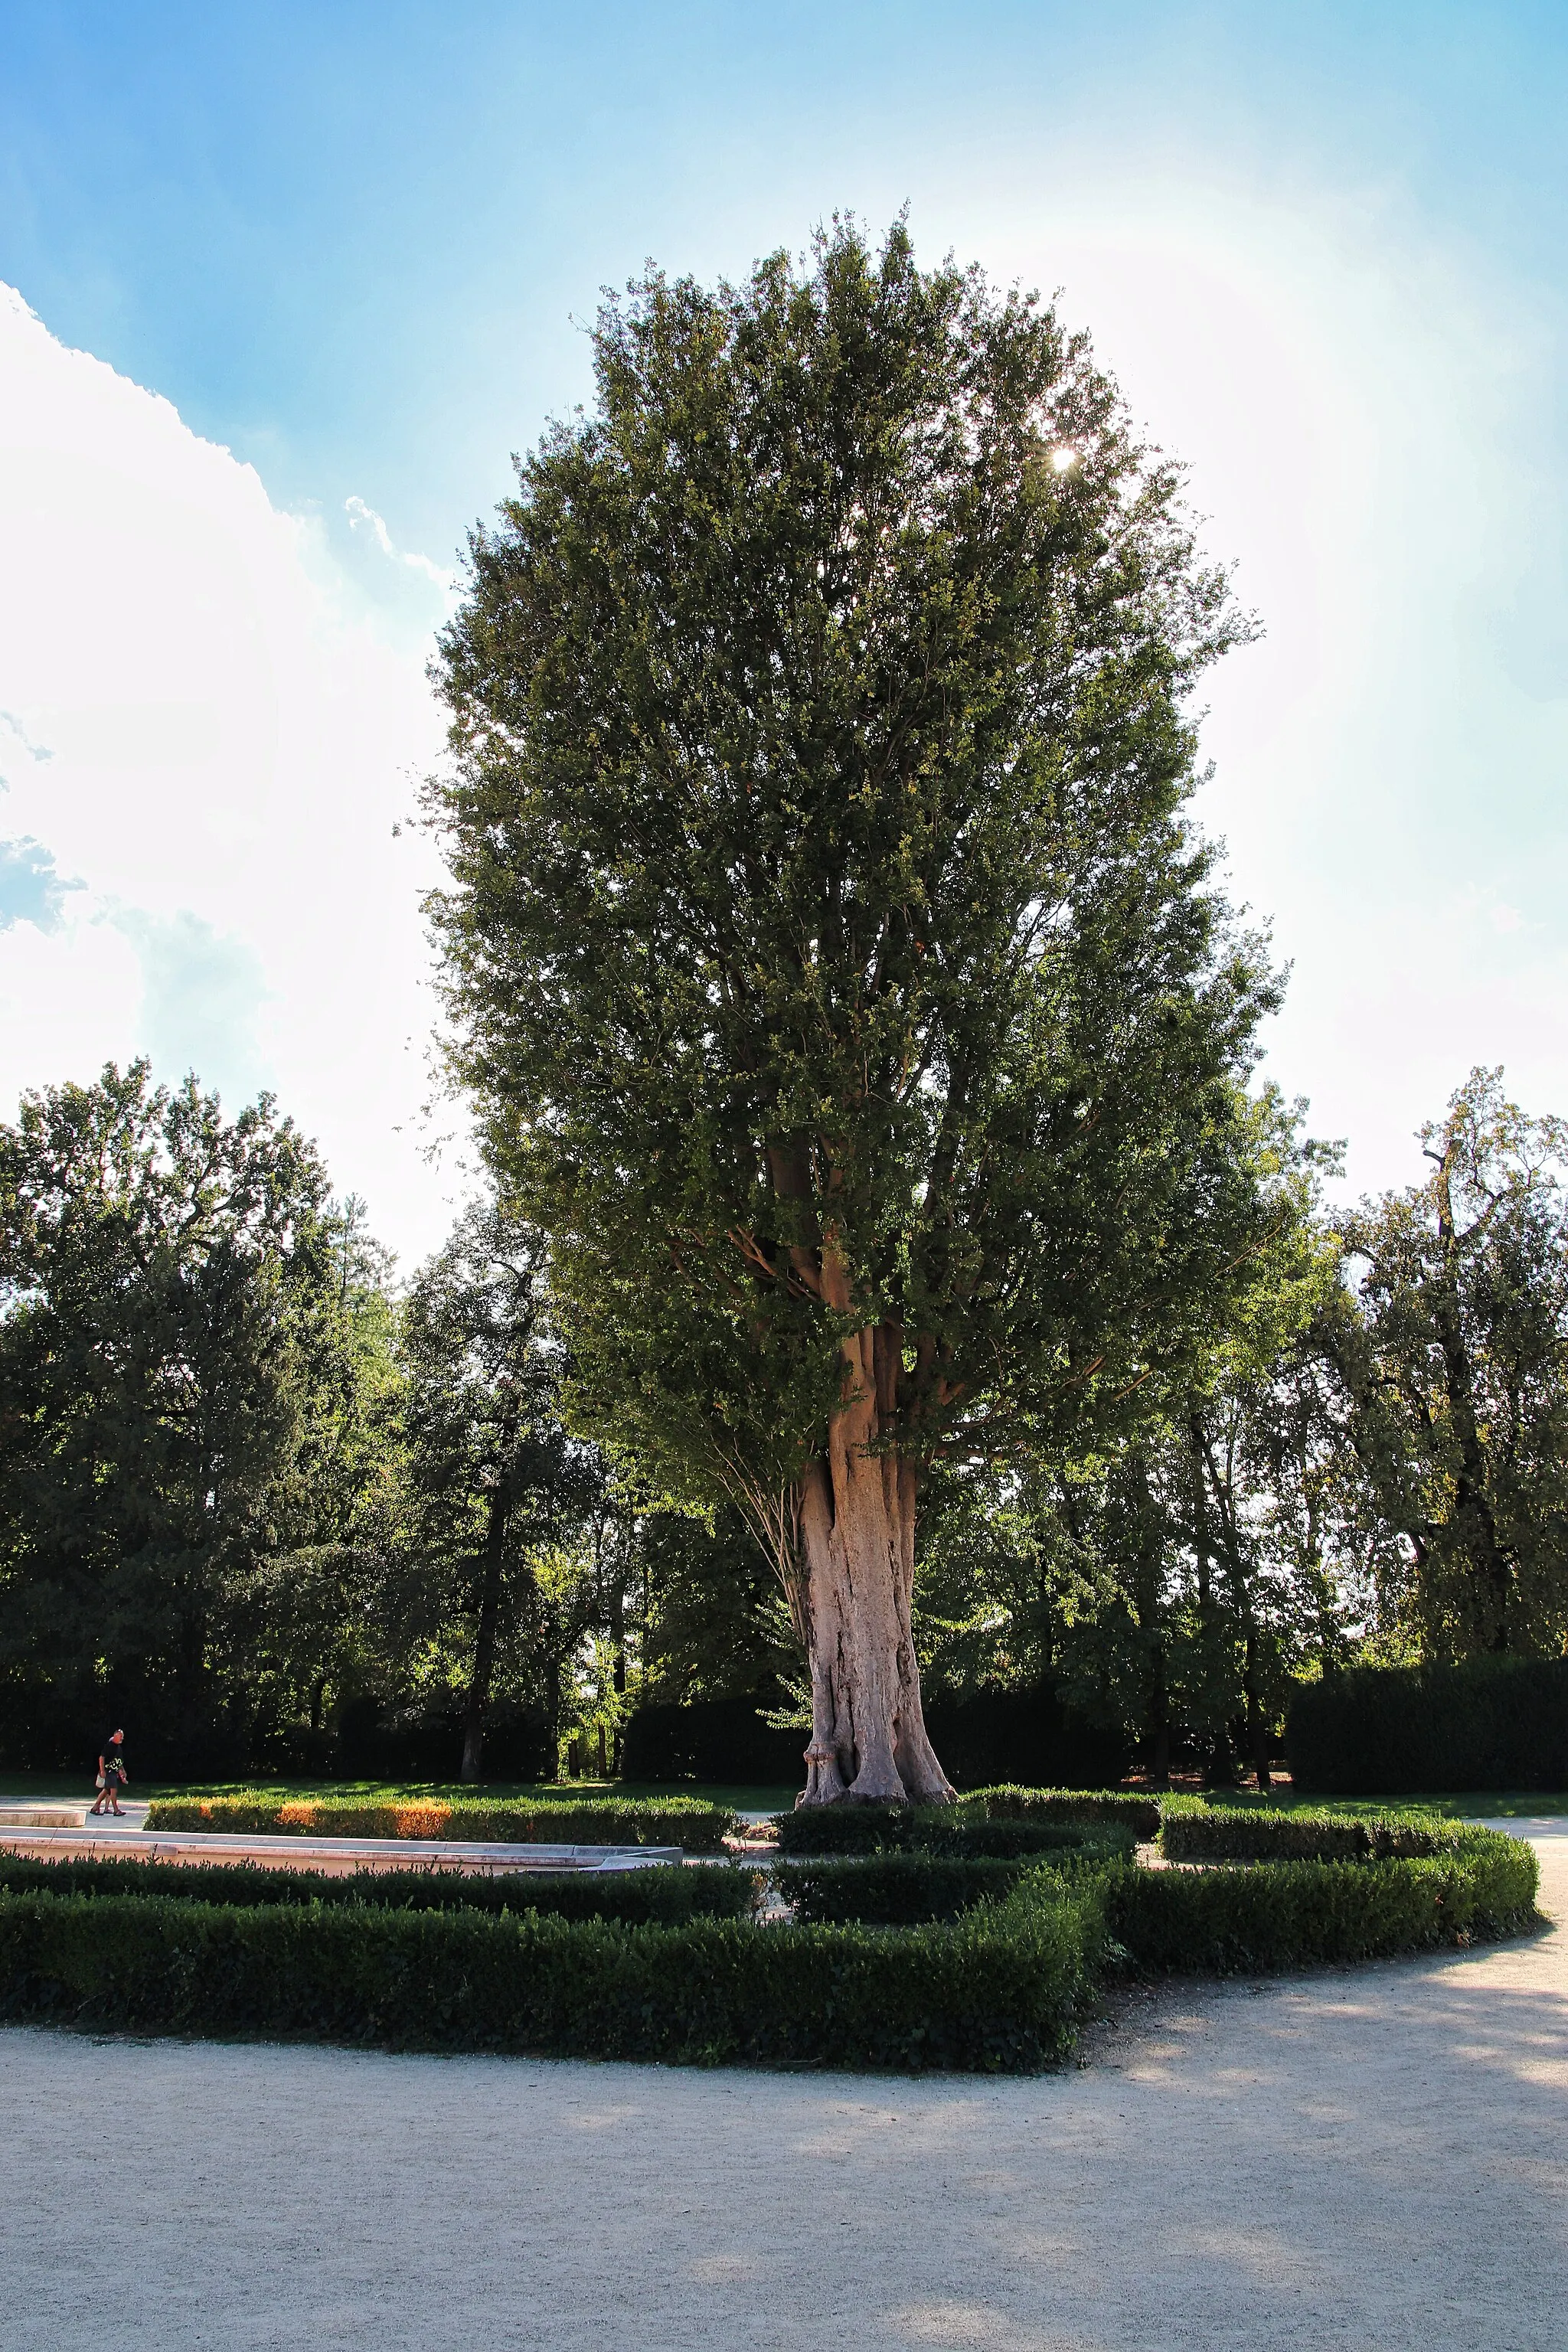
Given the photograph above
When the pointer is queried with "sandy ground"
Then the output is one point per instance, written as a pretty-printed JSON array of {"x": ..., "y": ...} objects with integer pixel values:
[{"x": 1368, "y": 2159}]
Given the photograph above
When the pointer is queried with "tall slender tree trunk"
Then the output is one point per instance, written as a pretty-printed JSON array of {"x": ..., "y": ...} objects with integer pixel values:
[
  {"x": 1473, "y": 1519},
  {"x": 1258, "y": 1740},
  {"x": 478, "y": 1698},
  {"x": 856, "y": 1524},
  {"x": 619, "y": 1654}
]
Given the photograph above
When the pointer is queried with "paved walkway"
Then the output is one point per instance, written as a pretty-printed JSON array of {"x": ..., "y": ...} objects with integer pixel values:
[{"x": 1369, "y": 2161}]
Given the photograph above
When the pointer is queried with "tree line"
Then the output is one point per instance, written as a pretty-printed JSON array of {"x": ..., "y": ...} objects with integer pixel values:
[{"x": 257, "y": 1492}]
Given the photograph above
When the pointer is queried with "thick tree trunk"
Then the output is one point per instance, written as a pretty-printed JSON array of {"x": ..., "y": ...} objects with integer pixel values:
[{"x": 868, "y": 1738}]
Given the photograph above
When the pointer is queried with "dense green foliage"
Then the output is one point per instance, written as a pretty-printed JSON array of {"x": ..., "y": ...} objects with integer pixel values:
[
  {"x": 1121, "y": 1808},
  {"x": 906, "y": 1889},
  {"x": 663, "y": 1893},
  {"x": 999, "y": 1989},
  {"x": 193, "y": 1375},
  {"x": 1457, "y": 1370},
  {"x": 1197, "y": 1833},
  {"x": 686, "y": 1821},
  {"x": 849, "y": 1007},
  {"x": 937, "y": 1829},
  {"x": 982, "y": 1963},
  {"x": 835, "y": 971},
  {"x": 1487, "y": 1723},
  {"x": 1285, "y": 1915}
]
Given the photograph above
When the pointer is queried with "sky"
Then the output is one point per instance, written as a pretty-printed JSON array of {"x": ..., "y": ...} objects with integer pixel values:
[{"x": 287, "y": 285}]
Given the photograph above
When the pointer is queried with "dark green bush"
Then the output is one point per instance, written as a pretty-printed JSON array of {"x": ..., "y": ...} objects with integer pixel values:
[
  {"x": 951, "y": 1829},
  {"x": 1491, "y": 1723},
  {"x": 894, "y": 1890},
  {"x": 1200, "y": 1833},
  {"x": 1131, "y": 1808},
  {"x": 691, "y": 1822},
  {"x": 1001, "y": 1990},
  {"x": 663, "y": 1891},
  {"x": 1289, "y": 1915},
  {"x": 900, "y": 1889}
]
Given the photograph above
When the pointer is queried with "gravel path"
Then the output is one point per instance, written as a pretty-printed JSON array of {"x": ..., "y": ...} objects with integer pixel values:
[{"x": 1358, "y": 2160}]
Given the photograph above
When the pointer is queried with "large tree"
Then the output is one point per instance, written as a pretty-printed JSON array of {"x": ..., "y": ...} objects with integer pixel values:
[
  {"x": 1454, "y": 1348},
  {"x": 189, "y": 1353},
  {"x": 493, "y": 1479},
  {"x": 840, "y": 980}
]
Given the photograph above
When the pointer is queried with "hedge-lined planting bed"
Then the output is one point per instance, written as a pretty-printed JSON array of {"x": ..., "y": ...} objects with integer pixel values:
[
  {"x": 664, "y": 1893},
  {"x": 1288, "y": 1915},
  {"x": 691, "y": 1822},
  {"x": 1191, "y": 1831},
  {"x": 1002, "y": 1990},
  {"x": 917, "y": 1951}
]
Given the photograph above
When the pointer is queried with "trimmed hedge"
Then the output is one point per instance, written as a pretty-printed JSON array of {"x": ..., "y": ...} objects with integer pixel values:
[
  {"x": 926, "y": 1829},
  {"x": 1191, "y": 1831},
  {"x": 1027, "y": 1734},
  {"x": 994, "y": 1735},
  {"x": 1129, "y": 1807},
  {"x": 1001, "y": 1990},
  {"x": 1290, "y": 1915},
  {"x": 664, "y": 1893},
  {"x": 896, "y": 1890},
  {"x": 1490, "y": 1723},
  {"x": 690, "y": 1822},
  {"x": 723, "y": 1740},
  {"x": 1002, "y": 1987}
]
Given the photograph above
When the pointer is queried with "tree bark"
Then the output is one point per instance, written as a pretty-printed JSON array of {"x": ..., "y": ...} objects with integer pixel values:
[{"x": 857, "y": 1520}]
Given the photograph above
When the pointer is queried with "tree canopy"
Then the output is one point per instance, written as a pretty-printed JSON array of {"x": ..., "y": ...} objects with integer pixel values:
[{"x": 841, "y": 982}]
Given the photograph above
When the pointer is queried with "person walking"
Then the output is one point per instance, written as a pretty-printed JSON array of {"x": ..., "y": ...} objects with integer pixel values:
[{"x": 111, "y": 1773}]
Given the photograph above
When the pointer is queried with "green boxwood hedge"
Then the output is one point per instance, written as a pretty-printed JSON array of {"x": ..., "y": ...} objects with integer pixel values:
[
  {"x": 895, "y": 1890},
  {"x": 1129, "y": 1808},
  {"x": 951, "y": 1829},
  {"x": 1289, "y": 1915},
  {"x": 691, "y": 1822},
  {"x": 903, "y": 1958},
  {"x": 1487, "y": 1723},
  {"x": 1191, "y": 1831},
  {"x": 902, "y": 1889},
  {"x": 664, "y": 1891},
  {"x": 1002, "y": 1989}
]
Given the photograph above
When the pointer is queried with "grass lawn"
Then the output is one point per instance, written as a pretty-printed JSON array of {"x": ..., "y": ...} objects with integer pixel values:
[
  {"x": 1504, "y": 1804},
  {"x": 748, "y": 1800}
]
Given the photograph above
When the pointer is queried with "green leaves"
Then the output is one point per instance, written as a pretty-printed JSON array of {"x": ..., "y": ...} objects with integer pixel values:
[{"x": 825, "y": 943}]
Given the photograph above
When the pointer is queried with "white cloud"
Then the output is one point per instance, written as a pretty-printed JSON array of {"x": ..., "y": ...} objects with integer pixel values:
[
  {"x": 207, "y": 737},
  {"x": 362, "y": 518}
]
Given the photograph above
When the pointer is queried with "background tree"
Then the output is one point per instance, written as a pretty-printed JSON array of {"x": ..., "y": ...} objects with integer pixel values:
[
  {"x": 839, "y": 983},
  {"x": 187, "y": 1393},
  {"x": 495, "y": 1487},
  {"x": 1453, "y": 1352}
]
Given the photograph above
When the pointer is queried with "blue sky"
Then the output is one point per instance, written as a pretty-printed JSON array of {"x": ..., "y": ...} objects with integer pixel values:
[{"x": 353, "y": 248}]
